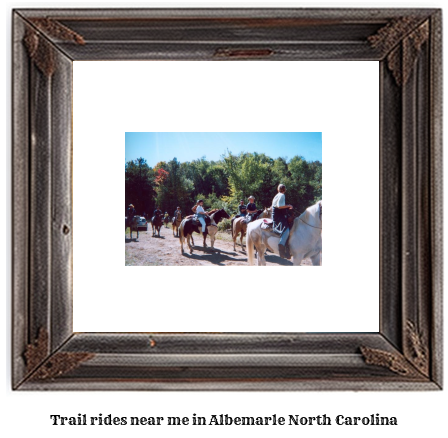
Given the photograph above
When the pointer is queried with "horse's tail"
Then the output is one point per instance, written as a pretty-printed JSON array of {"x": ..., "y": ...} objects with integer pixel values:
[
  {"x": 181, "y": 236},
  {"x": 250, "y": 246}
]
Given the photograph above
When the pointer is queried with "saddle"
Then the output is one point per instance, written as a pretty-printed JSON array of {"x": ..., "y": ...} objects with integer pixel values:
[
  {"x": 196, "y": 221},
  {"x": 250, "y": 218},
  {"x": 268, "y": 225},
  {"x": 276, "y": 231},
  {"x": 247, "y": 219}
]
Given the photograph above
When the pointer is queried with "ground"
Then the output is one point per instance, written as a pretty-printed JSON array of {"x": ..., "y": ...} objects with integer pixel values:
[{"x": 165, "y": 251}]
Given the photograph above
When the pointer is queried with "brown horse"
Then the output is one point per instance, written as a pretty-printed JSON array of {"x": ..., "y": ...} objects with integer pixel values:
[
  {"x": 133, "y": 226},
  {"x": 166, "y": 221},
  {"x": 177, "y": 219},
  {"x": 156, "y": 222},
  {"x": 240, "y": 226}
]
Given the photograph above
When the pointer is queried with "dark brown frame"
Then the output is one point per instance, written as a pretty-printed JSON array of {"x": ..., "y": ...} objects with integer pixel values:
[{"x": 406, "y": 354}]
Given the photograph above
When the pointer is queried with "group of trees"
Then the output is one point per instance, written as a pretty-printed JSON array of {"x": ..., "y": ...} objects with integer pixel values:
[{"x": 221, "y": 183}]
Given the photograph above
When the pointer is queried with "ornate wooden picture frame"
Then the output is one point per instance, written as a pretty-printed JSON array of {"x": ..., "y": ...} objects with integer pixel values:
[{"x": 406, "y": 353}]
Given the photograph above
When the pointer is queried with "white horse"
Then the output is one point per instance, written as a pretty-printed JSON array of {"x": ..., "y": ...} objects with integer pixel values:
[{"x": 305, "y": 238}]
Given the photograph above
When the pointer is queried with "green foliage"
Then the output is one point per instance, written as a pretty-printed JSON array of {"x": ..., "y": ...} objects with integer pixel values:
[
  {"x": 212, "y": 201},
  {"x": 139, "y": 185},
  {"x": 174, "y": 188},
  {"x": 222, "y": 184},
  {"x": 249, "y": 174},
  {"x": 224, "y": 224},
  {"x": 207, "y": 177}
]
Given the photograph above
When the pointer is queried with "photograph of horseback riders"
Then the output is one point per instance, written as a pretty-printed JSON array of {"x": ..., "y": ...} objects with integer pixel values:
[{"x": 223, "y": 199}]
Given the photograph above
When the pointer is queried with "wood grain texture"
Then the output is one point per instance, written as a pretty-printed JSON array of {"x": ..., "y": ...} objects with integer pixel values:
[
  {"x": 391, "y": 236},
  {"x": 225, "y": 343},
  {"x": 61, "y": 200},
  {"x": 40, "y": 200},
  {"x": 20, "y": 201},
  {"x": 410, "y": 336},
  {"x": 244, "y": 383},
  {"x": 436, "y": 195}
]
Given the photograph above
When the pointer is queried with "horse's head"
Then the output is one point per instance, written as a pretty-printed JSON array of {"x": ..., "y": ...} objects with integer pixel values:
[
  {"x": 225, "y": 215},
  {"x": 316, "y": 211},
  {"x": 266, "y": 212},
  {"x": 220, "y": 214},
  {"x": 312, "y": 216}
]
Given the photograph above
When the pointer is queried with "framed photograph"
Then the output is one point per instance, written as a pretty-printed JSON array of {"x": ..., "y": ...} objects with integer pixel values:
[
  {"x": 368, "y": 317},
  {"x": 168, "y": 172}
]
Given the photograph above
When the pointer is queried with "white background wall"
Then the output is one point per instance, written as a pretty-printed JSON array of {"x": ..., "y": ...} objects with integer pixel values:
[
  {"x": 419, "y": 414},
  {"x": 304, "y": 98}
]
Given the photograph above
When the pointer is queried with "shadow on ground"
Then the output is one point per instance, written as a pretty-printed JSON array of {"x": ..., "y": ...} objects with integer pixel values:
[
  {"x": 215, "y": 256},
  {"x": 278, "y": 260}
]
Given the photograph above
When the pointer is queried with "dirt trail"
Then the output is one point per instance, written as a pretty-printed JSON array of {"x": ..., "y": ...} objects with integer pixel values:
[{"x": 165, "y": 251}]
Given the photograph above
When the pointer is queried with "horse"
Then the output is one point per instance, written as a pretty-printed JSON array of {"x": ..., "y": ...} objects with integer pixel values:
[
  {"x": 305, "y": 239},
  {"x": 240, "y": 226},
  {"x": 177, "y": 219},
  {"x": 210, "y": 212},
  {"x": 166, "y": 221},
  {"x": 187, "y": 227},
  {"x": 156, "y": 222},
  {"x": 133, "y": 226}
]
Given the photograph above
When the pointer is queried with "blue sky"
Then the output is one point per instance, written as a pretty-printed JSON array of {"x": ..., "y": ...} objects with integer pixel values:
[{"x": 189, "y": 146}]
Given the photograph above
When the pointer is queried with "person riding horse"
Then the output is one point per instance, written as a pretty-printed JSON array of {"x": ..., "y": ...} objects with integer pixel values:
[
  {"x": 251, "y": 209},
  {"x": 242, "y": 209},
  {"x": 193, "y": 209},
  {"x": 157, "y": 212},
  {"x": 176, "y": 221},
  {"x": 242, "y": 212},
  {"x": 130, "y": 213},
  {"x": 166, "y": 219},
  {"x": 201, "y": 214},
  {"x": 280, "y": 212},
  {"x": 177, "y": 211}
]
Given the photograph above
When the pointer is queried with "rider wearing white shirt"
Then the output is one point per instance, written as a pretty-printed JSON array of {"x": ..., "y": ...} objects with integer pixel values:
[
  {"x": 201, "y": 213},
  {"x": 279, "y": 210},
  {"x": 279, "y": 200}
]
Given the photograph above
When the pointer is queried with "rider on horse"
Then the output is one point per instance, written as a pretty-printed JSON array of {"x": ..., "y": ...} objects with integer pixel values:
[
  {"x": 157, "y": 212},
  {"x": 242, "y": 212},
  {"x": 251, "y": 209},
  {"x": 130, "y": 213},
  {"x": 280, "y": 212},
  {"x": 193, "y": 209},
  {"x": 242, "y": 209},
  {"x": 201, "y": 213},
  {"x": 177, "y": 211}
]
